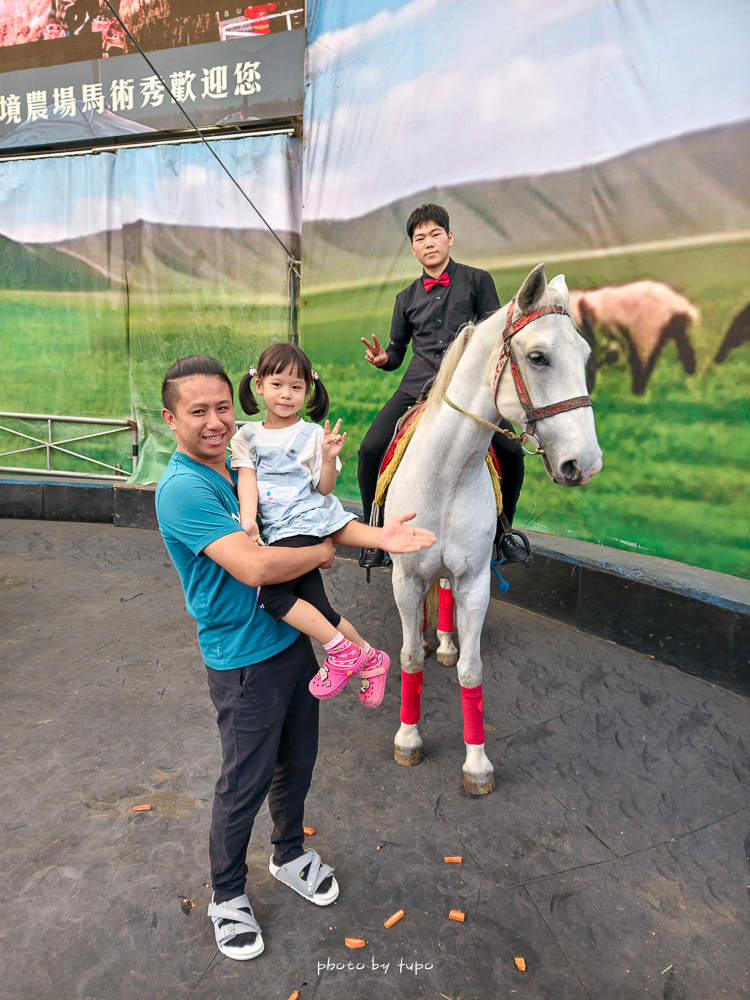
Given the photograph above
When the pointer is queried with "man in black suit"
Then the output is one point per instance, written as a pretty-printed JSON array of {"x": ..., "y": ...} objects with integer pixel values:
[{"x": 429, "y": 313}]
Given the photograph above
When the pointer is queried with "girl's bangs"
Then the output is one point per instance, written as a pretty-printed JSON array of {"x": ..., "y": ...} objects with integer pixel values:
[{"x": 284, "y": 357}]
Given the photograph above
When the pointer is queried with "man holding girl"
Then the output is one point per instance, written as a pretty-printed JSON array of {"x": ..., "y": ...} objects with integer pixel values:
[{"x": 263, "y": 677}]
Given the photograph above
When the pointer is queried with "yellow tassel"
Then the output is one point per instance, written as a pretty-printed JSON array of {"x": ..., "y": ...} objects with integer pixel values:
[
  {"x": 495, "y": 484},
  {"x": 385, "y": 479}
]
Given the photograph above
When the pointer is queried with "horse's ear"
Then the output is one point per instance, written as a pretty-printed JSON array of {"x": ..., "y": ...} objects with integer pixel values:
[
  {"x": 532, "y": 289},
  {"x": 558, "y": 285}
]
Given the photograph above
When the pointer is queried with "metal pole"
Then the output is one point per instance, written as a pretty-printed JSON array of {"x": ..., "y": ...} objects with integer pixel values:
[{"x": 135, "y": 441}]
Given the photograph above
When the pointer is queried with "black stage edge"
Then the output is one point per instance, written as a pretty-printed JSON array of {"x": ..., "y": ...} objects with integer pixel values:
[
  {"x": 122, "y": 504},
  {"x": 692, "y": 618}
]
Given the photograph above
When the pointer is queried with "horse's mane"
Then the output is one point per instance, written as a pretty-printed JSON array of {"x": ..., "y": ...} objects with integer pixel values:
[{"x": 448, "y": 368}]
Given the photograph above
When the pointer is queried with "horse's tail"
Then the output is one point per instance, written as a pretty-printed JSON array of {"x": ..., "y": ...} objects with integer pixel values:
[{"x": 432, "y": 604}]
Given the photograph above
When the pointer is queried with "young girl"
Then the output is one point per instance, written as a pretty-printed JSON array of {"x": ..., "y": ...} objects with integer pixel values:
[{"x": 287, "y": 470}]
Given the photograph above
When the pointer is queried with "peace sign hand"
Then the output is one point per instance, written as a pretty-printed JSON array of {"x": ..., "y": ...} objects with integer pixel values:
[
  {"x": 333, "y": 441},
  {"x": 375, "y": 353}
]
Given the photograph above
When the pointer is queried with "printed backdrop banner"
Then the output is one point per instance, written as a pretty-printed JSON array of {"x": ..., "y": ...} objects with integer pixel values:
[
  {"x": 69, "y": 72},
  {"x": 612, "y": 142},
  {"x": 113, "y": 266}
]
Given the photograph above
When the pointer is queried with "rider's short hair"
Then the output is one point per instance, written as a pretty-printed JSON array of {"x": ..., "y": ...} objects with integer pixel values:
[{"x": 428, "y": 213}]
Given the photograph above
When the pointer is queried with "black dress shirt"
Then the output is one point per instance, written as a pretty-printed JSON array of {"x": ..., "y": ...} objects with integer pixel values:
[{"x": 431, "y": 320}]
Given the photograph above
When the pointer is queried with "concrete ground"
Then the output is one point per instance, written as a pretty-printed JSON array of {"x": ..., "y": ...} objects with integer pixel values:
[{"x": 612, "y": 856}]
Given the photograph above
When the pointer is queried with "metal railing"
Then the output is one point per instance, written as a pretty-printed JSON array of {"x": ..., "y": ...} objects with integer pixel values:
[{"x": 49, "y": 445}]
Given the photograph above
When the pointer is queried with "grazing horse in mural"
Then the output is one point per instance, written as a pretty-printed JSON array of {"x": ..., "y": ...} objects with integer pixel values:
[
  {"x": 527, "y": 363},
  {"x": 647, "y": 314}
]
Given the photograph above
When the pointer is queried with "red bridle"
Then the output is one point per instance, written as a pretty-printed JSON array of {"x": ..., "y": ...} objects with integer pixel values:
[{"x": 532, "y": 413}]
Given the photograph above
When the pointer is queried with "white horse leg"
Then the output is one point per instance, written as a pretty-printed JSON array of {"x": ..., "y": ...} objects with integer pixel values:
[
  {"x": 410, "y": 600},
  {"x": 447, "y": 654},
  {"x": 425, "y": 644},
  {"x": 471, "y": 606}
]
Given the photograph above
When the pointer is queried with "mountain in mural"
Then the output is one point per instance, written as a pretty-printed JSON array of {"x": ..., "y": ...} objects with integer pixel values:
[
  {"x": 692, "y": 185},
  {"x": 44, "y": 267},
  {"x": 157, "y": 255}
]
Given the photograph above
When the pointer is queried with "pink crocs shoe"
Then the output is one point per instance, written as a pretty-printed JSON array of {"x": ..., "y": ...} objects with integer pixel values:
[
  {"x": 373, "y": 677},
  {"x": 341, "y": 664}
]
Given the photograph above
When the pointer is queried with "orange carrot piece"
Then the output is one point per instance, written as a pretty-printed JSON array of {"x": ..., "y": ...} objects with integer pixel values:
[
  {"x": 520, "y": 964},
  {"x": 354, "y": 942},
  {"x": 141, "y": 809},
  {"x": 392, "y": 920},
  {"x": 457, "y": 915},
  {"x": 309, "y": 830},
  {"x": 295, "y": 995},
  {"x": 455, "y": 861}
]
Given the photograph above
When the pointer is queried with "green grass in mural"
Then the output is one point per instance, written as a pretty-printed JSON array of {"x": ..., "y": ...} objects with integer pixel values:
[
  {"x": 64, "y": 353},
  {"x": 67, "y": 353},
  {"x": 675, "y": 480}
]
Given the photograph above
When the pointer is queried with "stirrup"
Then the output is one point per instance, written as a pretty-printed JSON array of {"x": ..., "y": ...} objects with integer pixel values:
[
  {"x": 370, "y": 558},
  {"x": 523, "y": 544}
]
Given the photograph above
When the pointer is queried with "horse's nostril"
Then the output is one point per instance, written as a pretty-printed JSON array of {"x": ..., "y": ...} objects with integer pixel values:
[{"x": 570, "y": 470}]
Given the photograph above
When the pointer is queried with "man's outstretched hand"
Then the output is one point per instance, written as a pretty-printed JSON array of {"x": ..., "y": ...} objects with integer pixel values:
[
  {"x": 375, "y": 353},
  {"x": 397, "y": 536}
]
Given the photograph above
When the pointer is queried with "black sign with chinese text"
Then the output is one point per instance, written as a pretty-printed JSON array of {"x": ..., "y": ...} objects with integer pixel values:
[{"x": 252, "y": 70}]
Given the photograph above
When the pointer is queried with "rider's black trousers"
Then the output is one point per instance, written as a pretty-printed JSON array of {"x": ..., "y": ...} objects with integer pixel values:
[{"x": 377, "y": 439}]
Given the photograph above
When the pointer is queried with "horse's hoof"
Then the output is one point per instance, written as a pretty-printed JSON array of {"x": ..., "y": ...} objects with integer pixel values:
[
  {"x": 427, "y": 649},
  {"x": 447, "y": 659},
  {"x": 479, "y": 784},
  {"x": 407, "y": 756}
]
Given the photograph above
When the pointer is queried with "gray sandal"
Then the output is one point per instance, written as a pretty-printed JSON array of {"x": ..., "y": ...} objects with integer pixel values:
[
  {"x": 230, "y": 920},
  {"x": 290, "y": 874}
]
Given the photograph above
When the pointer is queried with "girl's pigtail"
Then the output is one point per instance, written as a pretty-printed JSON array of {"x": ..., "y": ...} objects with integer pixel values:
[
  {"x": 247, "y": 400},
  {"x": 318, "y": 404}
]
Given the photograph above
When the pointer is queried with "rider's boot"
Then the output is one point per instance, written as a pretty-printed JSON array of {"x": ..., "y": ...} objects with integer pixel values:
[{"x": 512, "y": 545}]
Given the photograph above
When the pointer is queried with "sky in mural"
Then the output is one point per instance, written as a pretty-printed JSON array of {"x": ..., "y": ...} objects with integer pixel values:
[
  {"x": 410, "y": 95},
  {"x": 198, "y": 194}
]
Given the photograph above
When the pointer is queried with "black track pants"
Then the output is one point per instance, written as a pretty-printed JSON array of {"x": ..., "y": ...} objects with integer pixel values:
[
  {"x": 268, "y": 723},
  {"x": 377, "y": 439}
]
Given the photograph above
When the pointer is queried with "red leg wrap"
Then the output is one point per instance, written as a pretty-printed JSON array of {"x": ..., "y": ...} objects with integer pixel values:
[
  {"x": 473, "y": 706},
  {"x": 411, "y": 687},
  {"x": 445, "y": 615}
]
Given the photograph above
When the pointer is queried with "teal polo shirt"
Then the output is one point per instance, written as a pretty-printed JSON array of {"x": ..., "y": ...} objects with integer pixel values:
[{"x": 195, "y": 506}]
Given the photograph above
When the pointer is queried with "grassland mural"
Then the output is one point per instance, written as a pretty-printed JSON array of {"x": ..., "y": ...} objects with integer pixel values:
[
  {"x": 581, "y": 134},
  {"x": 114, "y": 265}
]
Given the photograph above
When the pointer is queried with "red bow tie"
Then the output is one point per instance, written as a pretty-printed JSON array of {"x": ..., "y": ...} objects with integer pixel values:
[{"x": 429, "y": 283}]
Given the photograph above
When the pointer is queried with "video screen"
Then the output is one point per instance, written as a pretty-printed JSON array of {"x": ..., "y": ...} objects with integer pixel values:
[{"x": 51, "y": 32}]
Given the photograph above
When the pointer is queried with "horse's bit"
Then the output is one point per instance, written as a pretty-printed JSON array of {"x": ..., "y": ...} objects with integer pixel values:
[{"x": 524, "y": 397}]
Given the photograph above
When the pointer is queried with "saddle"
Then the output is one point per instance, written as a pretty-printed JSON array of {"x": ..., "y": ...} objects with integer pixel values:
[
  {"x": 395, "y": 452},
  {"x": 509, "y": 543}
]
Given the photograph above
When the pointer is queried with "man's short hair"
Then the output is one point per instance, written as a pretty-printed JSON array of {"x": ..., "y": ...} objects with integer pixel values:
[
  {"x": 427, "y": 213},
  {"x": 189, "y": 367}
]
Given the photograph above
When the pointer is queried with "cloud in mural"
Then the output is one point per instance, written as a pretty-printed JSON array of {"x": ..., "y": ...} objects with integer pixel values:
[
  {"x": 457, "y": 92},
  {"x": 196, "y": 192}
]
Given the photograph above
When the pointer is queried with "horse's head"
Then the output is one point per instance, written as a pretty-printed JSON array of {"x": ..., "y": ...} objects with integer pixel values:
[{"x": 551, "y": 356}]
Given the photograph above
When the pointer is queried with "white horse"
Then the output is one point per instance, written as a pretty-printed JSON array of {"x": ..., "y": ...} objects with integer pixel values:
[{"x": 444, "y": 477}]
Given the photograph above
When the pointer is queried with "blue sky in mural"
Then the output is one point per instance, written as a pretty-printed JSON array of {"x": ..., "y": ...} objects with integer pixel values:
[
  {"x": 431, "y": 92},
  {"x": 196, "y": 192}
]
